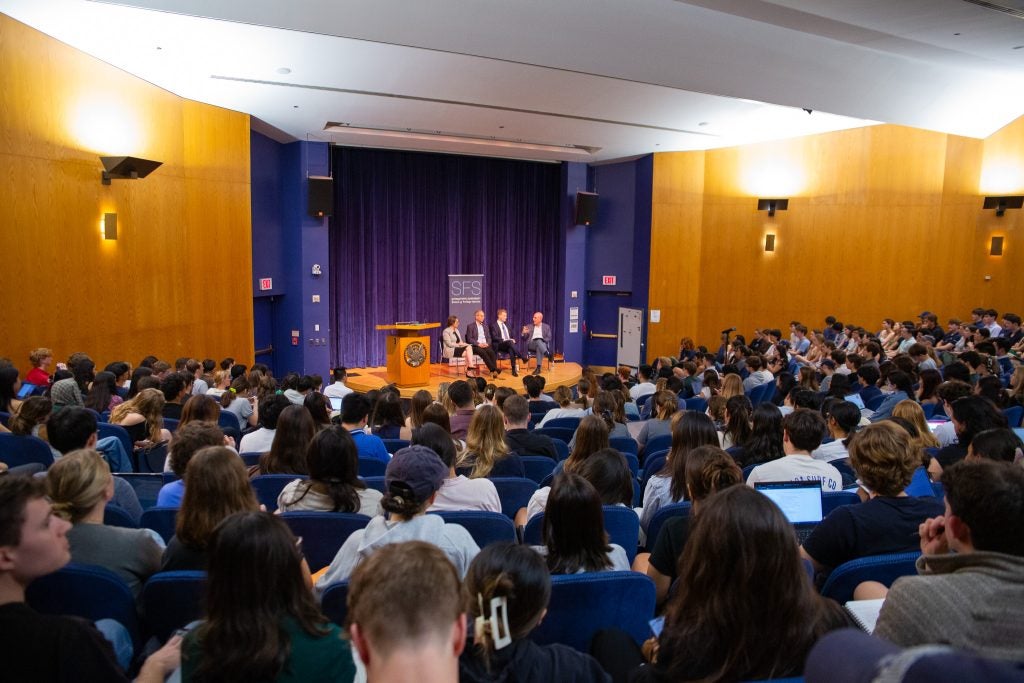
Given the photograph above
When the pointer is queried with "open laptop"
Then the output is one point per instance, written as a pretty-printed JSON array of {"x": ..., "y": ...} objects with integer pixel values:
[
  {"x": 26, "y": 390},
  {"x": 335, "y": 403},
  {"x": 800, "y": 502}
]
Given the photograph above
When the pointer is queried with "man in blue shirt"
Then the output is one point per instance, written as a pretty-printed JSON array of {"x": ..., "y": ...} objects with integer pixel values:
[{"x": 355, "y": 408}]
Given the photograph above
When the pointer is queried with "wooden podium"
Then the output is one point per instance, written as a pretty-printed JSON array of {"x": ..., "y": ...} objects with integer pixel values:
[{"x": 408, "y": 352}]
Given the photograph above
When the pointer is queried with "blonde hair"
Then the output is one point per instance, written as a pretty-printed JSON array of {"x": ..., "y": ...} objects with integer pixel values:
[
  {"x": 884, "y": 457},
  {"x": 77, "y": 483},
  {"x": 149, "y": 403},
  {"x": 913, "y": 413},
  {"x": 38, "y": 355},
  {"x": 485, "y": 441},
  {"x": 732, "y": 385},
  {"x": 563, "y": 396}
]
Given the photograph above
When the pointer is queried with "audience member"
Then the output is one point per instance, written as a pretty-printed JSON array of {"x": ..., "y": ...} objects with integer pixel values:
[
  {"x": 457, "y": 492},
  {"x": 801, "y": 434},
  {"x": 970, "y": 415},
  {"x": 333, "y": 484},
  {"x": 519, "y": 439},
  {"x": 355, "y": 409},
  {"x": 842, "y": 419},
  {"x": 765, "y": 441},
  {"x": 665, "y": 406},
  {"x": 423, "y": 630},
  {"x": 690, "y": 430},
  {"x": 486, "y": 454},
  {"x": 262, "y": 439},
  {"x": 515, "y": 577},
  {"x": 265, "y": 625},
  {"x": 1001, "y": 445},
  {"x": 461, "y": 396},
  {"x": 188, "y": 440},
  {"x": 969, "y": 589},
  {"x": 411, "y": 482},
  {"x": 287, "y": 455}
]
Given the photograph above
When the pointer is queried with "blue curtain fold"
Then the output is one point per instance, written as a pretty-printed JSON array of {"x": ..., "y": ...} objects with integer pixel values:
[{"x": 404, "y": 220}]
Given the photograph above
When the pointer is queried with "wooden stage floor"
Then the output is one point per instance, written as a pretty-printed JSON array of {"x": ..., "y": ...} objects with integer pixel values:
[{"x": 563, "y": 374}]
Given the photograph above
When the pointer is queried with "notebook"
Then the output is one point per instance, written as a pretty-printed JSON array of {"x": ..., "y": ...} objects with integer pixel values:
[
  {"x": 800, "y": 502},
  {"x": 865, "y": 612}
]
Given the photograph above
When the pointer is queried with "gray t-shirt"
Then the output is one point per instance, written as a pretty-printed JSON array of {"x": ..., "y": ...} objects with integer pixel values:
[{"x": 132, "y": 554}]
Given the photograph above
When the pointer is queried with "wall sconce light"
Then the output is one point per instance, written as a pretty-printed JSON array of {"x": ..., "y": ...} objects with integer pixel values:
[
  {"x": 996, "y": 247},
  {"x": 1001, "y": 204},
  {"x": 772, "y": 205},
  {"x": 769, "y": 242},
  {"x": 127, "y": 168},
  {"x": 110, "y": 226}
]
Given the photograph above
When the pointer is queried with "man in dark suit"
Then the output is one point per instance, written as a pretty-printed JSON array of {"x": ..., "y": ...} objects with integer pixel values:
[
  {"x": 480, "y": 339},
  {"x": 516, "y": 411},
  {"x": 538, "y": 336},
  {"x": 501, "y": 336}
]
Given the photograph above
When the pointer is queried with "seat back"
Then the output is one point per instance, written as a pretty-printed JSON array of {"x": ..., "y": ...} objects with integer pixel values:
[
  {"x": 633, "y": 462},
  {"x": 147, "y": 486},
  {"x": 556, "y": 433},
  {"x": 115, "y": 515},
  {"x": 537, "y": 466},
  {"x": 395, "y": 445},
  {"x": 1013, "y": 416},
  {"x": 24, "y": 450},
  {"x": 229, "y": 420},
  {"x": 873, "y": 402},
  {"x": 514, "y": 493},
  {"x": 653, "y": 464},
  {"x": 562, "y": 447},
  {"x": 920, "y": 485},
  {"x": 372, "y": 467},
  {"x": 621, "y": 524},
  {"x": 4, "y": 418},
  {"x": 664, "y": 513},
  {"x": 172, "y": 600},
  {"x": 375, "y": 483},
  {"x": 830, "y": 500},
  {"x": 171, "y": 425},
  {"x": 334, "y": 602},
  {"x": 563, "y": 423},
  {"x": 160, "y": 520},
  {"x": 661, "y": 442},
  {"x": 269, "y": 486},
  {"x": 624, "y": 444},
  {"x": 106, "y": 429},
  {"x": 882, "y": 568},
  {"x": 583, "y": 604},
  {"x": 250, "y": 459},
  {"x": 152, "y": 459},
  {"x": 323, "y": 533},
  {"x": 484, "y": 527},
  {"x": 86, "y": 591},
  {"x": 698, "y": 403}
]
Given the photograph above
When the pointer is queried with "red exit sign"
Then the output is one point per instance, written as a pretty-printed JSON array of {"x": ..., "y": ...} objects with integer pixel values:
[
  {"x": 266, "y": 284},
  {"x": 608, "y": 279}
]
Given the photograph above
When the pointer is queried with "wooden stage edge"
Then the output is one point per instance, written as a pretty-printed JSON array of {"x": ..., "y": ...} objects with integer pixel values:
[{"x": 562, "y": 375}]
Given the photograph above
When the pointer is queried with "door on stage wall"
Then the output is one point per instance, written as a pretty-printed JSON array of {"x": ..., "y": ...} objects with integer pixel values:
[
  {"x": 263, "y": 331},
  {"x": 630, "y": 345}
]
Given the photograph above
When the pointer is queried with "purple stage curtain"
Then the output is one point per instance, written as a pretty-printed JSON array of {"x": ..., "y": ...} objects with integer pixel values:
[{"x": 404, "y": 220}]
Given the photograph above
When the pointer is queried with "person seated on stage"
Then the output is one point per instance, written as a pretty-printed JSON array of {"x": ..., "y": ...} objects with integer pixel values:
[
  {"x": 479, "y": 338},
  {"x": 461, "y": 396},
  {"x": 36, "y": 647},
  {"x": 457, "y": 492},
  {"x": 968, "y": 590},
  {"x": 501, "y": 338},
  {"x": 405, "y": 614},
  {"x": 486, "y": 453},
  {"x": 355, "y": 408},
  {"x": 538, "y": 336},
  {"x": 453, "y": 345},
  {"x": 518, "y": 437}
]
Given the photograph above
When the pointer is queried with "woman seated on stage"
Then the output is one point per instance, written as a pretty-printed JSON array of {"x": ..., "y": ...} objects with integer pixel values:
[{"x": 453, "y": 345}]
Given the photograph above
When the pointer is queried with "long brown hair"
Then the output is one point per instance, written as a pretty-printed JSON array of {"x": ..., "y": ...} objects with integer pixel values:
[
  {"x": 716, "y": 623},
  {"x": 295, "y": 430},
  {"x": 666, "y": 404},
  {"x": 149, "y": 403},
  {"x": 485, "y": 441},
  {"x": 574, "y": 527},
  {"x": 216, "y": 485},
  {"x": 591, "y": 436},
  {"x": 243, "y": 637},
  {"x": 690, "y": 429}
]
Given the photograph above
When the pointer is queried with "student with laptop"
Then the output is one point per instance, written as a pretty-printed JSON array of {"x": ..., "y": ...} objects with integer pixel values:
[
  {"x": 801, "y": 434},
  {"x": 884, "y": 459}
]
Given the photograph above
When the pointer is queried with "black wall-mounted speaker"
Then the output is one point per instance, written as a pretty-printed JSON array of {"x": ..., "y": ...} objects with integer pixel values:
[
  {"x": 585, "y": 211},
  {"x": 321, "y": 196}
]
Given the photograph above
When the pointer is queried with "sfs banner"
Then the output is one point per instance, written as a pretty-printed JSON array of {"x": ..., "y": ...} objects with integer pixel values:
[{"x": 465, "y": 297}]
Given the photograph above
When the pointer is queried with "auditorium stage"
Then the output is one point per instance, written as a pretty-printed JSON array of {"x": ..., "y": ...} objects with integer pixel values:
[{"x": 562, "y": 374}]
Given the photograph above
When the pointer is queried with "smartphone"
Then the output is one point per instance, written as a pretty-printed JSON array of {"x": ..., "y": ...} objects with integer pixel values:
[{"x": 657, "y": 624}]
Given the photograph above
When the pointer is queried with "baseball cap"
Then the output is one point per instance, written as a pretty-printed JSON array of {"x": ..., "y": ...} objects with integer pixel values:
[{"x": 417, "y": 468}]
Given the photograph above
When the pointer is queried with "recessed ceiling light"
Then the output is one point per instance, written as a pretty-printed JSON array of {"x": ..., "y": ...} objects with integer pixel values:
[
  {"x": 703, "y": 123},
  {"x": 284, "y": 70},
  {"x": 956, "y": 34},
  {"x": 1018, "y": 47},
  {"x": 295, "y": 106}
]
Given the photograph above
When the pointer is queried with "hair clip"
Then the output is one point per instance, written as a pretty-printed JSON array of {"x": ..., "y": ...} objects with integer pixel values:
[
  {"x": 499, "y": 632},
  {"x": 233, "y": 390}
]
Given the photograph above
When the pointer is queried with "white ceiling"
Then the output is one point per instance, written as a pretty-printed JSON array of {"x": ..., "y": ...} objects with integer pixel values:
[{"x": 585, "y": 80}]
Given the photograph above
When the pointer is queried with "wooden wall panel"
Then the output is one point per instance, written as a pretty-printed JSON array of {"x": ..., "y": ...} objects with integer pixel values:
[
  {"x": 177, "y": 280},
  {"x": 883, "y": 221}
]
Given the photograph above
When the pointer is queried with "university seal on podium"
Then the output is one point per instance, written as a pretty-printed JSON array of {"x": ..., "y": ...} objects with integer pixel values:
[{"x": 415, "y": 354}]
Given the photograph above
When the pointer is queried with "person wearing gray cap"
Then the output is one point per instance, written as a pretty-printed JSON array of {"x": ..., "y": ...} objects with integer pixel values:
[{"x": 411, "y": 482}]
